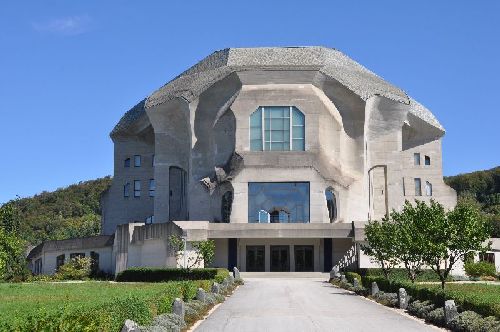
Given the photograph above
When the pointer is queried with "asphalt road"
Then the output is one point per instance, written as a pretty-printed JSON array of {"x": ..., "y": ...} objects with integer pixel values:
[{"x": 305, "y": 304}]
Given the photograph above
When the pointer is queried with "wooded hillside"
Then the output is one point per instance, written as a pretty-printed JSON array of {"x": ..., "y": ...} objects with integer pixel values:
[
  {"x": 72, "y": 211},
  {"x": 484, "y": 188}
]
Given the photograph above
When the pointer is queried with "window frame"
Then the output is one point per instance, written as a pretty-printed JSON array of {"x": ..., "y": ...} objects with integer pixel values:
[
  {"x": 427, "y": 160},
  {"x": 152, "y": 187},
  {"x": 126, "y": 190},
  {"x": 428, "y": 189},
  {"x": 418, "y": 189},
  {"x": 417, "y": 159},
  {"x": 137, "y": 188},
  {"x": 267, "y": 145},
  {"x": 137, "y": 160}
]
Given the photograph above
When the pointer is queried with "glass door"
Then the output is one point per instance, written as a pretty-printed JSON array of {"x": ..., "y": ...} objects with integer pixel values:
[
  {"x": 280, "y": 258},
  {"x": 255, "y": 259},
  {"x": 304, "y": 258}
]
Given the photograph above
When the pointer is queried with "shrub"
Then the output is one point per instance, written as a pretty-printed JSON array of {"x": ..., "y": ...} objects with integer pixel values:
[
  {"x": 436, "y": 317},
  {"x": 351, "y": 275},
  {"x": 78, "y": 268},
  {"x": 469, "y": 321},
  {"x": 401, "y": 275},
  {"x": 165, "y": 322},
  {"x": 221, "y": 275},
  {"x": 387, "y": 299},
  {"x": 480, "y": 269},
  {"x": 146, "y": 274},
  {"x": 420, "y": 309}
]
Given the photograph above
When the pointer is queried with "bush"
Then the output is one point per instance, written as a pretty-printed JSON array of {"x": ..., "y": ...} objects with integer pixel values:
[
  {"x": 78, "y": 268},
  {"x": 387, "y": 299},
  {"x": 480, "y": 269},
  {"x": 420, "y": 309},
  {"x": 436, "y": 317},
  {"x": 221, "y": 275},
  {"x": 402, "y": 275},
  {"x": 469, "y": 321},
  {"x": 146, "y": 274},
  {"x": 351, "y": 275}
]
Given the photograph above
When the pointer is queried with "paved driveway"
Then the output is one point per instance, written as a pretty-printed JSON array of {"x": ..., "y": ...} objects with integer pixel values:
[{"x": 271, "y": 304}]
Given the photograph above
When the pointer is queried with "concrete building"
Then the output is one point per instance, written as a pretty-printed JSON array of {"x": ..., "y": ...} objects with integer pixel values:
[{"x": 277, "y": 154}]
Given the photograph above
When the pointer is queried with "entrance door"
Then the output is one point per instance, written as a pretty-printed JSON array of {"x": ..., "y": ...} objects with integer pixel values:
[
  {"x": 177, "y": 199},
  {"x": 280, "y": 258},
  {"x": 255, "y": 259},
  {"x": 304, "y": 258}
]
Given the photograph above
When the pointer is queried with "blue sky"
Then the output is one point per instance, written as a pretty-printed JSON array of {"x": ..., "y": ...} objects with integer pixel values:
[{"x": 70, "y": 69}]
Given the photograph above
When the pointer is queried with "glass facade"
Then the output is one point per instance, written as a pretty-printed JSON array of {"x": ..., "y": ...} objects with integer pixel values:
[
  {"x": 277, "y": 128},
  {"x": 278, "y": 202}
]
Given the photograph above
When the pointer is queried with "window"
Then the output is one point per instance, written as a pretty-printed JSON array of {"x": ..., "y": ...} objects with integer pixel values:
[
  {"x": 418, "y": 187},
  {"x": 416, "y": 159},
  {"x": 227, "y": 202},
  {"x": 331, "y": 203},
  {"x": 94, "y": 262},
  {"x": 428, "y": 188},
  {"x": 38, "y": 266},
  {"x": 278, "y": 202},
  {"x": 137, "y": 161},
  {"x": 153, "y": 161},
  {"x": 126, "y": 190},
  {"x": 277, "y": 128},
  {"x": 150, "y": 220},
  {"x": 487, "y": 257},
  {"x": 280, "y": 216},
  {"x": 152, "y": 188},
  {"x": 126, "y": 162},
  {"x": 427, "y": 160},
  {"x": 137, "y": 188},
  {"x": 77, "y": 255},
  {"x": 60, "y": 261}
]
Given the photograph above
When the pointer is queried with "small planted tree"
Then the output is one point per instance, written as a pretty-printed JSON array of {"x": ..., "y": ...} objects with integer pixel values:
[
  {"x": 452, "y": 237},
  {"x": 381, "y": 244},
  {"x": 202, "y": 251},
  {"x": 412, "y": 225}
]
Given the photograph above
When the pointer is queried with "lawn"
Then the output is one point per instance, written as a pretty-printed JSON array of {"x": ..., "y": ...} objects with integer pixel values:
[{"x": 97, "y": 306}]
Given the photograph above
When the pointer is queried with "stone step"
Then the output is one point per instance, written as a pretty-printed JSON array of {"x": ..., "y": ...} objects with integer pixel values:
[{"x": 286, "y": 275}]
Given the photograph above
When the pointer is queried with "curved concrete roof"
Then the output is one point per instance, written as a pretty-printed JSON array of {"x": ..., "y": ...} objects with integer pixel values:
[{"x": 332, "y": 63}]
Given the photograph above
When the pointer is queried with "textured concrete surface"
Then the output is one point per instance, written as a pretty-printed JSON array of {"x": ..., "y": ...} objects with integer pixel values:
[{"x": 303, "y": 305}]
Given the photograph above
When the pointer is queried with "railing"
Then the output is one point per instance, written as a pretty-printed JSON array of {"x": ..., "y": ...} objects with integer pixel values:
[{"x": 348, "y": 259}]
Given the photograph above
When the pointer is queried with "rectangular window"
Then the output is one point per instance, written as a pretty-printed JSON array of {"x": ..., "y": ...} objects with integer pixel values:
[
  {"x": 278, "y": 202},
  {"x": 152, "y": 188},
  {"x": 418, "y": 187},
  {"x": 126, "y": 162},
  {"x": 60, "y": 261},
  {"x": 137, "y": 161},
  {"x": 277, "y": 128},
  {"x": 428, "y": 188},
  {"x": 137, "y": 188},
  {"x": 126, "y": 190},
  {"x": 427, "y": 160},
  {"x": 487, "y": 257},
  {"x": 416, "y": 159}
]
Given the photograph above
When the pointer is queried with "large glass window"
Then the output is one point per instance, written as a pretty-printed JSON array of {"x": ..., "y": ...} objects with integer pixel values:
[
  {"x": 277, "y": 128},
  {"x": 278, "y": 202}
]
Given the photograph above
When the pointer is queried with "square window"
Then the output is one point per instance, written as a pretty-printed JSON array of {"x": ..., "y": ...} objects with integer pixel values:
[{"x": 137, "y": 161}]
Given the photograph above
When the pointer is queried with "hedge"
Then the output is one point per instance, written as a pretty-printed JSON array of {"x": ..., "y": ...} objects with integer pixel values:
[
  {"x": 465, "y": 300},
  {"x": 147, "y": 274},
  {"x": 402, "y": 275}
]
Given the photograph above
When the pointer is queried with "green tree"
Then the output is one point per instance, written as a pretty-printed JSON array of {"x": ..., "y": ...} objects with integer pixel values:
[
  {"x": 202, "y": 251},
  {"x": 451, "y": 236},
  {"x": 12, "y": 257},
  {"x": 411, "y": 227},
  {"x": 381, "y": 239}
]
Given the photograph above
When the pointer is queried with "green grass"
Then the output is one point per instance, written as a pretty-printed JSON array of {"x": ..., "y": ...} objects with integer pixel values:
[{"x": 90, "y": 306}]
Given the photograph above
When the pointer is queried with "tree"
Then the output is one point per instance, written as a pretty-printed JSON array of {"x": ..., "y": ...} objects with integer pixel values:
[
  {"x": 452, "y": 237},
  {"x": 381, "y": 244},
  {"x": 411, "y": 227},
  {"x": 12, "y": 257},
  {"x": 202, "y": 251},
  {"x": 9, "y": 217}
]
